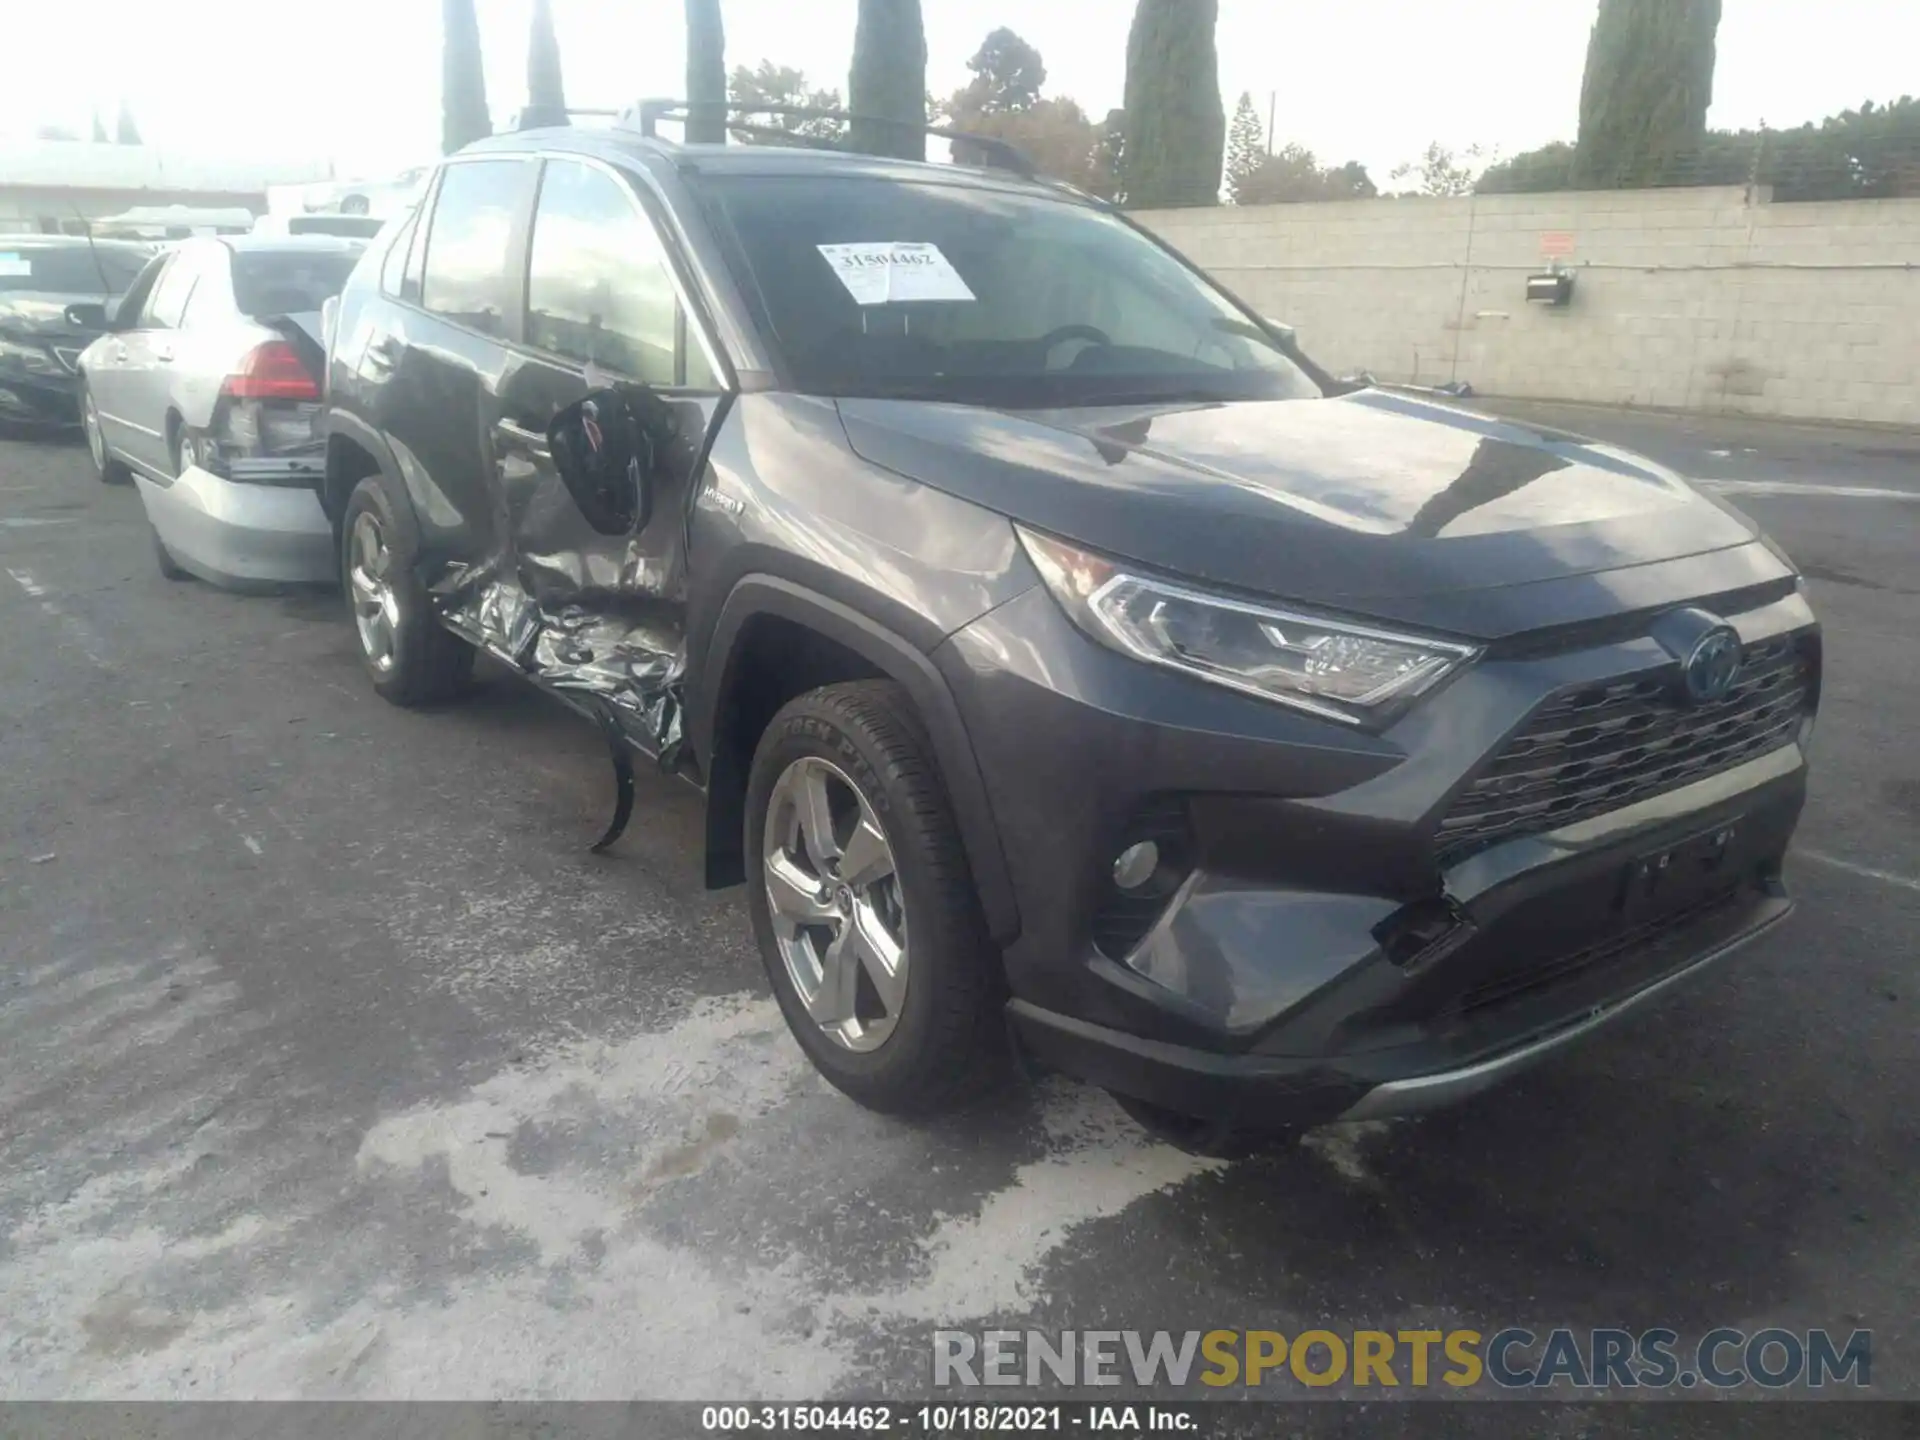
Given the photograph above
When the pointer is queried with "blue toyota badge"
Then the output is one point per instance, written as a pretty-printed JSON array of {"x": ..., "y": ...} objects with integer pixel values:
[{"x": 1711, "y": 665}]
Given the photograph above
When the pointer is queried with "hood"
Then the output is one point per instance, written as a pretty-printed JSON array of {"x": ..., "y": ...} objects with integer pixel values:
[{"x": 1369, "y": 502}]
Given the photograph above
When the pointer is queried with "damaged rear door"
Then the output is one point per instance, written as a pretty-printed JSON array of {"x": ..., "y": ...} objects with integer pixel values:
[{"x": 600, "y": 617}]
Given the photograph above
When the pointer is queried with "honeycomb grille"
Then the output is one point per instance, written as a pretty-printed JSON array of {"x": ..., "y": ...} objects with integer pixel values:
[{"x": 1600, "y": 747}]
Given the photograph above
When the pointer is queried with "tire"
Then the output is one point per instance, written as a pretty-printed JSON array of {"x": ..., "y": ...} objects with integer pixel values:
[
  {"x": 943, "y": 1041},
  {"x": 421, "y": 662},
  {"x": 169, "y": 567},
  {"x": 110, "y": 470}
]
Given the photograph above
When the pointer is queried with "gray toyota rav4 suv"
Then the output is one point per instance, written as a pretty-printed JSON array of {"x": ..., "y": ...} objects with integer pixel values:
[{"x": 1071, "y": 668}]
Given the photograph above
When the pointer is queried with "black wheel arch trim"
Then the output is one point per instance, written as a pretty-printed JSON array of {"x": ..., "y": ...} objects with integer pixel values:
[
  {"x": 900, "y": 660},
  {"x": 352, "y": 428}
]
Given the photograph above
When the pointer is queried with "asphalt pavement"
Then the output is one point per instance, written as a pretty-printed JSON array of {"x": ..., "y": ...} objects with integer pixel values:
[{"x": 332, "y": 1063}]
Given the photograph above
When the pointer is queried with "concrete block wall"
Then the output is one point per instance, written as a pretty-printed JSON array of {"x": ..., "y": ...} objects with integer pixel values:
[{"x": 1707, "y": 299}]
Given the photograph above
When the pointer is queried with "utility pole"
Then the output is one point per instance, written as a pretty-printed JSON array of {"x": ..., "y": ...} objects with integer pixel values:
[{"x": 1273, "y": 108}]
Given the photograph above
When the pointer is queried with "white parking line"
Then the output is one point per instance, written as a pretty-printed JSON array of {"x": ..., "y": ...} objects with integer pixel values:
[
  {"x": 84, "y": 638},
  {"x": 1805, "y": 487},
  {"x": 1865, "y": 872}
]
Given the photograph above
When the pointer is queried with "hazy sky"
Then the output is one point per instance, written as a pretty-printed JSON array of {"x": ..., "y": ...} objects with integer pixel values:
[{"x": 357, "y": 81}]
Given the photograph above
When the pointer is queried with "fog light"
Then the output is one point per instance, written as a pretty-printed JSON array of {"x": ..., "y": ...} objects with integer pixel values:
[{"x": 1136, "y": 864}]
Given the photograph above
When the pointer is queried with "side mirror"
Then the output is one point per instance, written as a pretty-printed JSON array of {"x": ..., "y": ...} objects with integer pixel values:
[
  {"x": 606, "y": 447},
  {"x": 119, "y": 315},
  {"x": 87, "y": 316},
  {"x": 1283, "y": 334}
]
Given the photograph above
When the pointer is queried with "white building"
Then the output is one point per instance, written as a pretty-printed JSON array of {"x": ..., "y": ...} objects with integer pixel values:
[{"x": 56, "y": 185}]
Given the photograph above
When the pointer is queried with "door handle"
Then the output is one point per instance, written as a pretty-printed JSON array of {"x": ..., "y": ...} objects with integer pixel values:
[
  {"x": 163, "y": 353},
  {"x": 118, "y": 355},
  {"x": 533, "y": 440}
]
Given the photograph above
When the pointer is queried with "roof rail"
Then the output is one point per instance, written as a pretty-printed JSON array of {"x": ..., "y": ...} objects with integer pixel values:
[
  {"x": 544, "y": 117},
  {"x": 990, "y": 150}
]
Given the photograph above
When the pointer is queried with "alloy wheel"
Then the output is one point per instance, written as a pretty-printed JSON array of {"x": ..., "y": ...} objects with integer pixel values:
[
  {"x": 376, "y": 608},
  {"x": 833, "y": 893}
]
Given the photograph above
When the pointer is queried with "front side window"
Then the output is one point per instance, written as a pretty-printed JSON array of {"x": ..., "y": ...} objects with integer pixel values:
[
  {"x": 599, "y": 290},
  {"x": 466, "y": 263},
  {"x": 962, "y": 292}
]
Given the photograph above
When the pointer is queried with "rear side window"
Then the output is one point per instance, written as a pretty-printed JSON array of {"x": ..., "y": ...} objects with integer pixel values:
[
  {"x": 168, "y": 302},
  {"x": 599, "y": 289},
  {"x": 393, "y": 268},
  {"x": 288, "y": 282},
  {"x": 466, "y": 266}
]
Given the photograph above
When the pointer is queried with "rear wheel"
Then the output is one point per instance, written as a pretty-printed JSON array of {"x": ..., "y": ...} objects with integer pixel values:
[
  {"x": 110, "y": 470},
  {"x": 863, "y": 904},
  {"x": 411, "y": 658}
]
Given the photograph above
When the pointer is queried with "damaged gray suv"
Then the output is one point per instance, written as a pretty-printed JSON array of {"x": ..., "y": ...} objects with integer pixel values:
[{"x": 1071, "y": 668}]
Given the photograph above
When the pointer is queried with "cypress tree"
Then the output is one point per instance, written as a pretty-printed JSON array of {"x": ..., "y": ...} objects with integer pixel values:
[
  {"x": 1176, "y": 125},
  {"x": 463, "y": 80},
  {"x": 546, "y": 96},
  {"x": 1246, "y": 148},
  {"x": 889, "y": 79},
  {"x": 1644, "y": 99},
  {"x": 706, "y": 74}
]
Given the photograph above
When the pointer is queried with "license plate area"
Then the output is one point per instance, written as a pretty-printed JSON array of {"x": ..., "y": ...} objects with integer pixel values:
[{"x": 1680, "y": 873}]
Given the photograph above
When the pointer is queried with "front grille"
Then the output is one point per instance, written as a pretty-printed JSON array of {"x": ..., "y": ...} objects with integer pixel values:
[{"x": 1600, "y": 747}]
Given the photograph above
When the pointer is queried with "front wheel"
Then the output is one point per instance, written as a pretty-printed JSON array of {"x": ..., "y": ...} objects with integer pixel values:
[
  {"x": 411, "y": 658},
  {"x": 863, "y": 904}
]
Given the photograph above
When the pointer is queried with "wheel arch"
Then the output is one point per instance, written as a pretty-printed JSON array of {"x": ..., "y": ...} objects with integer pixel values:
[
  {"x": 765, "y": 615},
  {"x": 354, "y": 451}
]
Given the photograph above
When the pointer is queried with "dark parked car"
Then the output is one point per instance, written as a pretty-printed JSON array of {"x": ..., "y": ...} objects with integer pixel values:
[
  {"x": 1061, "y": 654},
  {"x": 54, "y": 290}
]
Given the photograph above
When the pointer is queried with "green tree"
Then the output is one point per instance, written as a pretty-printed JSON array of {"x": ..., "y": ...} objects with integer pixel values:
[
  {"x": 1007, "y": 75},
  {"x": 706, "y": 74},
  {"x": 771, "y": 84},
  {"x": 1648, "y": 83},
  {"x": 463, "y": 80},
  {"x": 546, "y": 95},
  {"x": 1110, "y": 158},
  {"x": 1176, "y": 125},
  {"x": 125, "y": 132},
  {"x": 1548, "y": 168},
  {"x": 889, "y": 80},
  {"x": 1293, "y": 175},
  {"x": 100, "y": 136},
  {"x": 1246, "y": 147},
  {"x": 1439, "y": 171}
]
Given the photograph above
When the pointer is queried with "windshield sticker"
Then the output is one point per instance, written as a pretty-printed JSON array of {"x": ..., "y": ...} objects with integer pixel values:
[
  {"x": 891, "y": 272},
  {"x": 14, "y": 265}
]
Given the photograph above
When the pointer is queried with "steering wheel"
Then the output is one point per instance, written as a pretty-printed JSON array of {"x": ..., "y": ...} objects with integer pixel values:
[{"x": 1093, "y": 335}]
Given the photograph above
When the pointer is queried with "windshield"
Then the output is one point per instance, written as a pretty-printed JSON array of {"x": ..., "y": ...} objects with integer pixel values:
[
  {"x": 68, "y": 269},
  {"x": 949, "y": 292},
  {"x": 289, "y": 282}
]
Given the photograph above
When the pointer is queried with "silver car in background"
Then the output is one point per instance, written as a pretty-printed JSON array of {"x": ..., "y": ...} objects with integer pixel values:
[{"x": 205, "y": 392}]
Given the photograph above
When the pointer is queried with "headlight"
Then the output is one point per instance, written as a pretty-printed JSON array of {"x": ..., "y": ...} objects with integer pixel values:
[{"x": 1329, "y": 667}]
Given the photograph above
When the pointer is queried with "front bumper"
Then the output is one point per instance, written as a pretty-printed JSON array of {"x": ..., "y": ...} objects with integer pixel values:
[
  {"x": 33, "y": 398},
  {"x": 1319, "y": 958}
]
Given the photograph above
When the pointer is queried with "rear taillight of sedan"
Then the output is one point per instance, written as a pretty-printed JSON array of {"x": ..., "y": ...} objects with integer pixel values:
[{"x": 272, "y": 371}]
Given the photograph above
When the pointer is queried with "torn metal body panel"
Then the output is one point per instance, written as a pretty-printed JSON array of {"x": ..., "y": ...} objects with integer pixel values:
[{"x": 599, "y": 619}]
